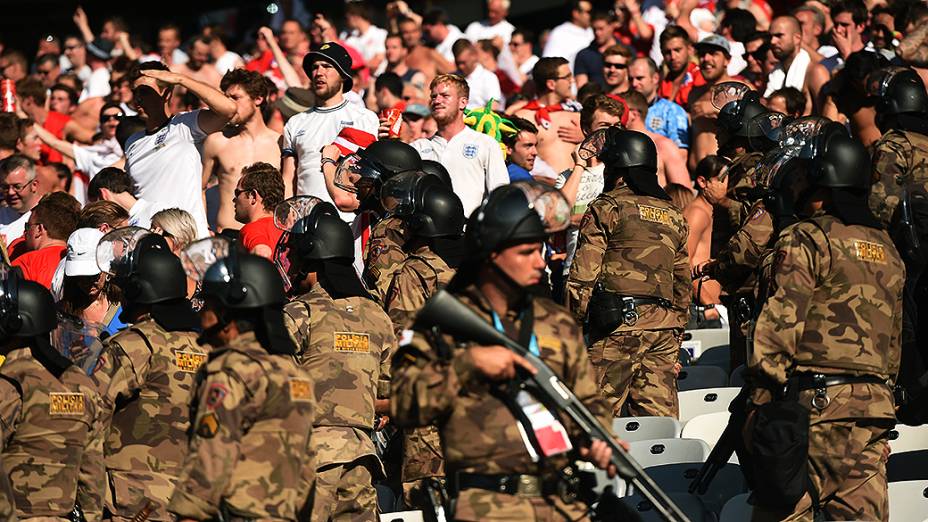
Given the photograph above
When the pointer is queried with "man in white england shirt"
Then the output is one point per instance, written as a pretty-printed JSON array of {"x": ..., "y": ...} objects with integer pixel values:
[
  {"x": 474, "y": 160},
  {"x": 164, "y": 161},
  {"x": 305, "y": 134}
]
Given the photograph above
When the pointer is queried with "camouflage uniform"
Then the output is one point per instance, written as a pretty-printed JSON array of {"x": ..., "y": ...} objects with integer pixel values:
[
  {"x": 345, "y": 346},
  {"x": 147, "y": 375},
  {"x": 740, "y": 179},
  {"x": 48, "y": 473},
  {"x": 250, "y": 453},
  {"x": 384, "y": 255},
  {"x": 420, "y": 276},
  {"x": 7, "y": 507},
  {"x": 900, "y": 158},
  {"x": 478, "y": 429},
  {"x": 834, "y": 307},
  {"x": 636, "y": 247}
]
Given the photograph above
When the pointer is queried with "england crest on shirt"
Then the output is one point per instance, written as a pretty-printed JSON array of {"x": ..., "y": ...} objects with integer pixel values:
[{"x": 470, "y": 151}]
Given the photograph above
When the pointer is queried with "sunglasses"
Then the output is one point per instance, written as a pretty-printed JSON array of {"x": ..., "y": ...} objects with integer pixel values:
[
  {"x": 239, "y": 192},
  {"x": 608, "y": 65},
  {"x": 107, "y": 117}
]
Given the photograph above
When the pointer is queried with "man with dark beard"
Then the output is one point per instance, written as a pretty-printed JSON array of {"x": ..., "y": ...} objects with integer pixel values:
[{"x": 796, "y": 68}]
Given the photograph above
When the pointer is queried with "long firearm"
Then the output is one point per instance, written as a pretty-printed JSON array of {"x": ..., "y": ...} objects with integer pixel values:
[{"x": 453, "y": 317}]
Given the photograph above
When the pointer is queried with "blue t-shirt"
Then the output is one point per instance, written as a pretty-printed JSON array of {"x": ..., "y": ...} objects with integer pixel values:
[
  {"x": 669, "y": 119},
  {"x": 589, "y": 61},
  {"x": 517, "y": 173}
]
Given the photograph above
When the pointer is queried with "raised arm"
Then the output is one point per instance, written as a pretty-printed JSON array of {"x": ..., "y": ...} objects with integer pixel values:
[
  {"x": 62, "y": 146},
  {"x": 221, "y": 107},
  {"x": 80, "y": 20},
  {"x": 291, "y": 76}
]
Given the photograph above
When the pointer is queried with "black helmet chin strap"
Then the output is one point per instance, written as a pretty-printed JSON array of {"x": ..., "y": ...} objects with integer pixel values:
[
  {"x": 340, "y": 280},
  {"x": 46, "y": 354},
  {"x": 209, "y": 333}
]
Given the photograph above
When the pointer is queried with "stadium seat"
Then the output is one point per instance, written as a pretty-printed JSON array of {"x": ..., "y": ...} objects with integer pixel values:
[
  {"x": 691, "y": 506},
  {"x": 737, "y": 376},
  {"x": 676, "y": 478},
  {"x": 402, "y": 516},
  {"x": 719, "y": 356},
  {"x": 737, "y": 509},
  {"x": 907, "y": 465},
  {"x": 644, "y": 428},
  {"x": 702, "y": 340},
  {"x": 701, "y": 377},
  {"x": 700, "y": 402},
  {"x": 686, "y": 359},
  {"x": 707, "y": 427},
  {"x": 908, "y": 501},
  {"x": 668, "y": 451},
  {"x": 908, "y": 438}
]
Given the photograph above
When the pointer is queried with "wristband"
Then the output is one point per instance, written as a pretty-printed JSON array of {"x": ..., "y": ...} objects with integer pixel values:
[{"x": 328, "y": 160}]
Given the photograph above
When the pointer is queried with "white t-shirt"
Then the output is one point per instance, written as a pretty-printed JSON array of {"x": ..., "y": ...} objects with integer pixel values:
[
  {"x": 14, "y": 231},
  {"x": 480, "y": 30},
  {"x": 140, "y": 214},
  {"x": 566, "y": 40},
  {"x": 306, "y": 133},
  {"x": 97, "y": 85},
  {"x": 167, "y": 166},
  {"x": 528, "y": 65},
  {"x": 474, "y": 161},
  {"x": 228, "y": 61},
  {"x": 444, "y": 47},
  {"x": 93, "y": 158},
  {"x": 369, "y": 44},
  {"x": 591, "y": 185},
  {"x": 483, "y": 86}
]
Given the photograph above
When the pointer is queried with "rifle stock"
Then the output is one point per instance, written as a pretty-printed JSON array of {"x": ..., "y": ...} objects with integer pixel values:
[{"x": 453, "y": 317}]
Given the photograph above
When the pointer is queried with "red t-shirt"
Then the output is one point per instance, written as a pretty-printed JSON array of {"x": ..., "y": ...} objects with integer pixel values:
[
  {"x": 39, "y": 265},
  {"x": 54, "y": 123},
  {"x": 260, "y": 232},
  {"x": 691, "y": 78}
]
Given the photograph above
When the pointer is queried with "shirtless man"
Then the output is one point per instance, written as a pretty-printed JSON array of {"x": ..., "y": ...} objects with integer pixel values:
[
  {"x": 245, "y": 141},
  {"x": 555, "y": 114},
  {"x": 671, "y": 168},
  {"x": 711, "y": 177},
  {"x": 420, "y": 57},
  {"x": 714, "y": 53},
  {"x": 198, "y": 66}
]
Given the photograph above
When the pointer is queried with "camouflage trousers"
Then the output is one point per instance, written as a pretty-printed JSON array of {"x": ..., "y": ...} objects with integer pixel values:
[
  {"x": 478, "y": 504},
  {"x": 847, "y": 468},
  {"x": 129, "y": 492},
  {"x": 635, "y": 369},
  {"x": 345, "y": 492},
  {"x": 422, "y": 454},
  {"x": 44, "y": 519}
]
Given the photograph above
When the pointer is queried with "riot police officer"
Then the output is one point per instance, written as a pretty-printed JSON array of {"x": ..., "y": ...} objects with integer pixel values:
[
  {"x": 344, "y": 342},
  {"x": 630, "y": 280},
  {"x": 835, "y": 281},
  {"x": 252, "y": 409},
  {"x": 147, "y": 374},
  {"x": 468, "y": 391},
  {"x": 59, "y": 477}
]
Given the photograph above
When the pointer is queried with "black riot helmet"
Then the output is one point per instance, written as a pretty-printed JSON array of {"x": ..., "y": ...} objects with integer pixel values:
[
  {"x": 735, "y": 116},
  {"x": 437, "y": 169},
  {"x": 429, "y": 208},
  {"x": 520, "y": 212},
  {"x": 142, "y": 265},
  {"x": 364, "y": 172},
  {"x": 842, "y": 163},
  {"x": 27, "y": 308},
  {"x": 314, "y": 229},
  {"x": 899, "y": 97},
  {"x": 626, "y": 149}
]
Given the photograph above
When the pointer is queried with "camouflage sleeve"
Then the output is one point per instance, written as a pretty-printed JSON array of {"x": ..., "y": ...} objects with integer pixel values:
[
  {"x": 890, "y": 163},
  {"x": 386, "y": 357},
  {"x": 404, "y": 299},
  {"x": 424, "y": 386},
  {"x": 782, "y": 319},
  {"x": 11, "y": 406},
  {"x": 743, "y": 252},
  {"x": 682, "y": 277},
  {"x": 296, "y": 320},
  {"x": 92, "y": 476},
  {"x": 214, "y": 445},
  {"x": 120, "y": 372},
  {"x": 895, "y": 341},
  {"x": 587, "y": 264}
]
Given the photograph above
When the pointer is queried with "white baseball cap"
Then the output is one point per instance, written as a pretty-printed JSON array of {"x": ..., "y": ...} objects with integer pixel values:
[{"x": 82, "y": 252}]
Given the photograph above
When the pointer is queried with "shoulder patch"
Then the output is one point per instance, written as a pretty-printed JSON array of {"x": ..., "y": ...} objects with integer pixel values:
[
  {"x": 2, "y": 360},
  {"x": 869, "y": 252},
  {"x": 188, "y": 362},
  {"x": 214, "y": 395},
  {"x": 300, "y": 390},
  {"x": 654, "y": 214},
  {"x": 757, "y": 214},
  {"x": 208, "y": 426},
  {"x": 66, "y": 403},
  {"x": 351, "y": 342}
]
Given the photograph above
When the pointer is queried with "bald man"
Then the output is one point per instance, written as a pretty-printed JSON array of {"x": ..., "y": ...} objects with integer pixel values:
[{"x": 796, "y": 68}]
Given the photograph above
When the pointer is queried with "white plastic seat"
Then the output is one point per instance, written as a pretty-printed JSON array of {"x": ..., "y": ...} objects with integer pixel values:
[
  {"x": 668, "y": 451},
  {"x": 908, "y": 438},
  {"x": 908, "y": 501},
  {"x": 708, "y": 428},
  {"x": 676, "y": 478},
  {"x": 700, "y": 402},
  {"x": 644, "y": 428},
  {"x": 737, "y": 509},
  {"x": 402, "y": 516},
  {"x": 705, "y": 339},
  {"x": 701, "y": 377}
]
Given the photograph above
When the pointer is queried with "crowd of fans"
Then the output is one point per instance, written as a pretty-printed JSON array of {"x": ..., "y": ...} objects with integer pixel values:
[{"x": 87, "y": 115}]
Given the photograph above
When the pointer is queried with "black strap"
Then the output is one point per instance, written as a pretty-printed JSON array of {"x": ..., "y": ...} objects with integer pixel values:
[{"x": 527, "y": 328}]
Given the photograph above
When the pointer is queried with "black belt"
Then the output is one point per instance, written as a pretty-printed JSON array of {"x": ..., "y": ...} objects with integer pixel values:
[
  {"x": 520, "y": 485},
  {"x": 812, "y": 381}
]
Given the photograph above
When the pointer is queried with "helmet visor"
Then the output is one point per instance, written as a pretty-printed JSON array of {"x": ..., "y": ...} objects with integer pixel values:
[
  {"x": 78, "y": 341},
  {"x": 115, "y": 249},
  {"x": 723, "y": 93},
  {"x": 398, "y": 193},
  {"x": 592, "y": 146},
  {"x": 773, "y": 163},
  {"x": 548, "y": 202},
  {"x": 799, "y": 132},
  {"x": 290, "y": 212},
  {"x": 766, "y": 127},
  {"x": 354, "y": 172},
  {"x": 199, "y": 256}
]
